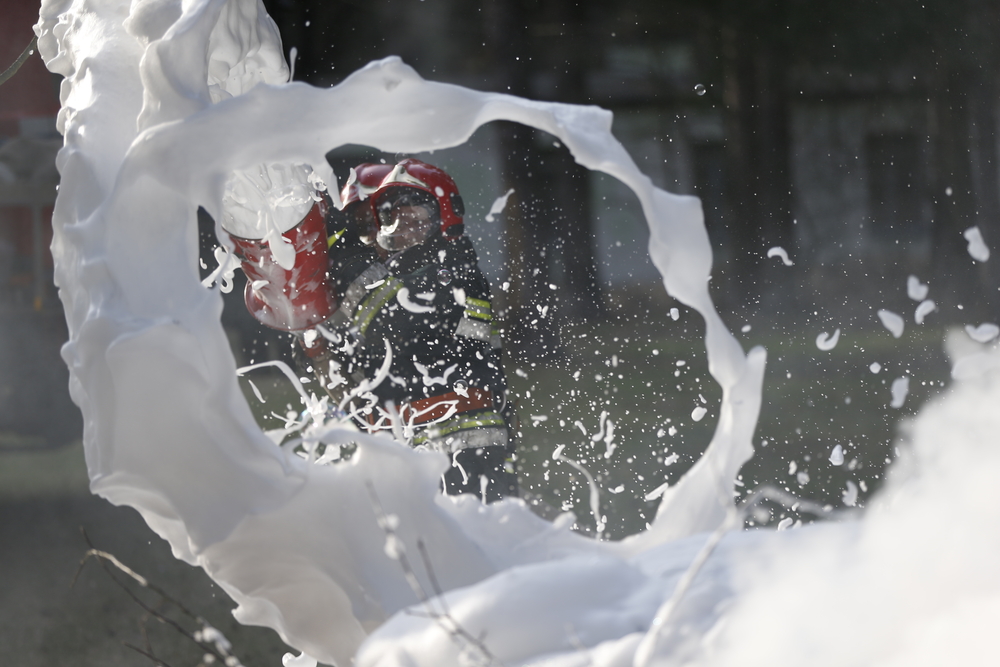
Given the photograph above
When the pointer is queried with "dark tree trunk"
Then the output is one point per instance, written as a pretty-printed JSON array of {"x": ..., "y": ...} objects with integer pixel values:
[
  {"x": 528, "y": 322},
  {"x": 956, "y": 204},
  {"x": 756, "y": 103},
  {"x": 579, "y": 295}
]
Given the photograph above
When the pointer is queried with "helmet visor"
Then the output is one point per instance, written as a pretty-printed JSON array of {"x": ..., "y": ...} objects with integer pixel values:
[{"x": 406, "y": 216}]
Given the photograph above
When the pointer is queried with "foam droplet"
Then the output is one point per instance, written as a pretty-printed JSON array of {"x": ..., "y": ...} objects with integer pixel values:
[
  {"x": 499, "y": 204},
  {"x": 850, "y": 496},
  {"x": 826, "y": 342},
  {"x": 892, "y": 322},
  {"x": 977, "y": 246},
  {"x": 778, "y": 251},
  {"x": 984, "y": 333},
  {"x": 923, "y": 310},
  {"x": 837, "y": 456},
  {"x": 915, "y": 290},
  {"x": 900, "y": 388}
]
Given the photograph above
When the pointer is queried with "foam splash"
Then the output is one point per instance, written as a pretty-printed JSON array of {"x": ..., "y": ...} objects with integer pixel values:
[{"x": 160, "y": 112}]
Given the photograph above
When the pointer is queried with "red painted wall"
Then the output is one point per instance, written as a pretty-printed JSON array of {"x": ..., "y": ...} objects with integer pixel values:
[{"x": 33, "y": 91}]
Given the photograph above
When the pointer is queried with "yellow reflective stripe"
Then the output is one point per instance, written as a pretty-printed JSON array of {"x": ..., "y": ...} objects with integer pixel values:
[
  {"x": 439, "y": 431},
  {"x": 369, "y": 308},
  {"x": 478, "y": 309},
  {"x": 459, "y": 423},
  {"x": 336, "y": 237},
  {"x": 496, "y": 342}
]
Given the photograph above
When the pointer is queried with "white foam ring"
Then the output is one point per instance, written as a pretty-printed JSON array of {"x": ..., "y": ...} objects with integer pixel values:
[{"x": 167, "y": 430}]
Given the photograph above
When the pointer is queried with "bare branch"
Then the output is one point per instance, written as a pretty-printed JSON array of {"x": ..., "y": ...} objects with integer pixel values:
[
  {"x": 385, "y": 523},
  {"x": 104, "y": 559},
  {"x": 156, "y": 661},
  {"x": 443, "y": 619},
  {"x": 16, "y": 65}
]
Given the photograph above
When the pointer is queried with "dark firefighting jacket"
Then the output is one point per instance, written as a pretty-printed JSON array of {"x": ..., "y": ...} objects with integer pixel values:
[{"x": 419, "y": 340}]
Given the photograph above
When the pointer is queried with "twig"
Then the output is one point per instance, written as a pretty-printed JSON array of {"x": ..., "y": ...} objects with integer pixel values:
[
  {"x": 12, "y": 70},
  {"x": 152, "y": 657},
  {"x": 385, "y": 523},
  {"x": 104, "y": 559},
  {"x": 139, "y": 579},
  {"x": 444, "y": 619},
  {"x": 431, "y": 576},
  {"x": 445, "y": 615}
]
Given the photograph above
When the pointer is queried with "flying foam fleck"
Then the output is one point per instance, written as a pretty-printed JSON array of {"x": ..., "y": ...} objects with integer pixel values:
[
  {"x": 915, "y": 290},
  {"x": 837, "y": 455},
  {"x": 977, "y": 246},
  {"x": 900, "y": 388},
  {"x": 923, "y": 310},
  {"x": 778, "y": 251},
  {"x": 826, "y": 342},
  {"x": 892, "y": 322},
  {"x": 984, "y": 333},
  {"x": 499, "y": 205}
]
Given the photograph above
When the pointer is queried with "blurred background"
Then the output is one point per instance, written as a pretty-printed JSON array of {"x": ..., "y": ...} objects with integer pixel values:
[{"x": 860, "y": 137}]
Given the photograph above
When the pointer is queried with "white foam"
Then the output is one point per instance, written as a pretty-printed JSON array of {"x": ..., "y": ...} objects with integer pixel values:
[
  {"x": 837, "y": 455},
  {"x": 778, "y": 251},
  {"x": 983, "y": 333},
  {"x": 827, "y": 342},
  {"x": 301, "y": 547},
  {"x": 850, "y": 495},
  {"x": 499, "y": 204},
  {"x": 915, "y": 289},
  {"x": 977, "y": 246},
  {"x": 184, "y": 450},
  {"x": 900, "y": 388},
  {"x": 892, "y": 322},
  {"x": 923, "y": 310},
  {"x": 267, "y": 200}
]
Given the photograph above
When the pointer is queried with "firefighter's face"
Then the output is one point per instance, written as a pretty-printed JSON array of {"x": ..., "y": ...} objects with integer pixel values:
[{"x": 406, "y": 219}]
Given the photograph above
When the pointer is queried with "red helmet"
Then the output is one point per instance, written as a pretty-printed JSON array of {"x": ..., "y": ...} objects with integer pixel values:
[
  {"x": 413, "y": 173},
  {"x": 364, "y": 181}
]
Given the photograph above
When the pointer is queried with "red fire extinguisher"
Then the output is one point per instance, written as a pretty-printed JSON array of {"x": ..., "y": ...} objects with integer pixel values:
[{"x": 297, "y": 299}]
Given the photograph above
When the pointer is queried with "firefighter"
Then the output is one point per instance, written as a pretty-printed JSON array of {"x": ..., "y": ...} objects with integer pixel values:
[
  {"x": 399, "y": 331},
  {"x": 424, "y": 338}
]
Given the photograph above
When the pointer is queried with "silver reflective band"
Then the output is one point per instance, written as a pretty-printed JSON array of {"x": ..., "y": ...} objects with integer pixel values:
[
  {"x": 463, "y": 432},
  {"x": 473, "y": 329}
]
